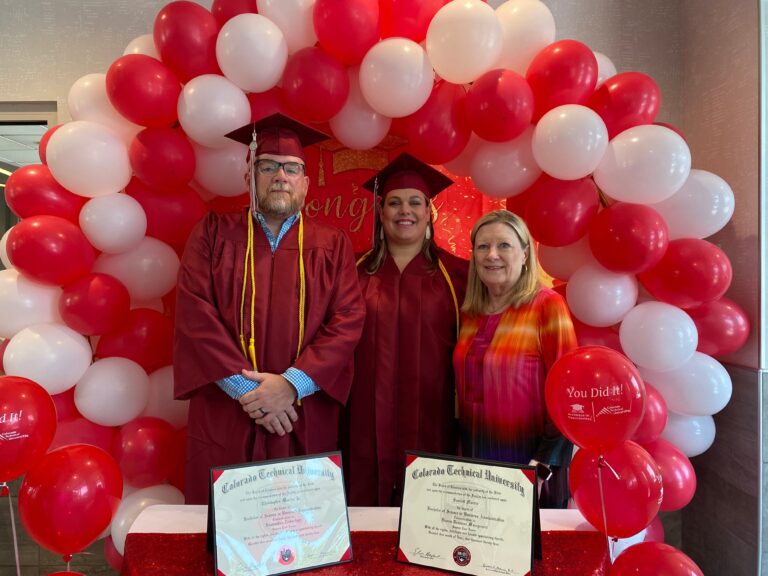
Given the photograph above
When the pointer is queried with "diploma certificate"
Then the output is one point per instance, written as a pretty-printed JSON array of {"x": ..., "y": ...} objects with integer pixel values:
[
  {"x": 279, "y": 516},
  {"x": 468, "y": 516}
]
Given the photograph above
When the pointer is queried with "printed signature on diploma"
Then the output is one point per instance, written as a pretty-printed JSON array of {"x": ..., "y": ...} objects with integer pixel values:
[{"x": 425, "y": 555}]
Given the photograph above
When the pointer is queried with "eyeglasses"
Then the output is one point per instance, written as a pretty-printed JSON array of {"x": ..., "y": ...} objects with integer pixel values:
[{"x": 269, "y": 167}]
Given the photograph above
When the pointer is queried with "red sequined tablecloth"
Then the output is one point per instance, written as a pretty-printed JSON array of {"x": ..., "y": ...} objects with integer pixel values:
[{"x": 565, "y": 553}]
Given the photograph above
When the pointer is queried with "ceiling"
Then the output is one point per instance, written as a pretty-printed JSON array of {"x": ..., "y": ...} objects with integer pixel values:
[{"x": 18, "y": 145}]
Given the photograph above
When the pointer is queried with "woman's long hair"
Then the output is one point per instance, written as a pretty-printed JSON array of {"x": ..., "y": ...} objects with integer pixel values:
[
  {"x": 375, "y": 259},
  {"x": 526, "y": 287}
]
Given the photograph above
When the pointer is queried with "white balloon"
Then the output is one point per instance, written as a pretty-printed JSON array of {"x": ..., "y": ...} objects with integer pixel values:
[
  {"x": 599, "y": 297},
  {"x": 161, "y": 403},
  {"x": 24, "y": 302},
  {"x": 464, "y": 40},
  {"x": 569, "y": 142},
  {"x": 53, "y": 355},
  {"x": 88, "y": 100},
  {"x": 700, "y": 208},
  {"x": 693, "y": 435},
  {"x": 210, "y": 107},
  {"x": 294, "y": 18},
  {"x": 396, "y": 77},
  {"x": 88, "y": 159},
  {"x": 144, "y": 44},
  {"x": 251, "y": 52},
  {"x": 645, "y": 164},
  {"x": 112, "y": 391},
  {"x": 133, "y": 504},
  {"x": 221, "y": 170},
  {"x": 148, "y": 271},
  {"x": 658, "y": 336},
  {"x": 357, "y": 125},
  {"x": 462, "y": 164},
  {"x": 114, "y": 223},
  {"x": 700, "y": 387},
  {"x": 503, "y": 169},
  {"x": 527, "y": 26},
  {"x": 605, "y": 68},
  {"x": 562, "y": 261},
  {"x": 4, "y": 249}
]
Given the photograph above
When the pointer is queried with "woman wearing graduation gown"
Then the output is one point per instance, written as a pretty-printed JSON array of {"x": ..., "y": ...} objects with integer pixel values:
[
  {"x": 403, "y": 393},
  {"x": 512, "y": 330}
]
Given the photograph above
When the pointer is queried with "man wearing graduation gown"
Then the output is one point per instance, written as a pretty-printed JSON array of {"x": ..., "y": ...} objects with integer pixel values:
[
  {"x": 268, "y": 314},
  {"x": 403, "y": 396}
]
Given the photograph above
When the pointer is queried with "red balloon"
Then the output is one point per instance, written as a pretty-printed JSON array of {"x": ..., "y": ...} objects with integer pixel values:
[
  {"x": 265, "y": 104},
  {"x": 224, "y": 10},
  {"x": 691, "y": 272},
  {"x": 65, "y": 405},
  {"x": 654, "y": 559},
  {"x": 162, "y": 158},
  {"x": 564, "y": 72},
  {"x": 518, "y": 204},
  {"x": 43, "y": 146},
  {"x": 228, "y": 204},
  {"x": 628, "y": 238},
  {"x": 185, "y": 35},
  {"x": 50, "y": 250},
  {"x": 587, "y": 335},
  {"x": 95, "y": 304},
  {"x": 631, "y": 488},
  {"x": 69, "y": 498},
  {"x": 407, "y": 18},
  {"x": 27, "y": 425},
  {"x": 66, "y": 573},
  {"x": 144, "y": 449},
  {"x": 626, "y": 100},
  {"x": 654, "y": 419},
  {"x": 33, "y": 191},
  {"x": 595, "y": 396},
  {"x": 655, "y": 531},
  {"x": 559, "y": 212},
  {"x": 111, "y": 555},
  {"x": 439, "y": 130},
  {"x": 677, "y": 473},
  {"x": 146, "y": 338},
  {"x": 499, "y": 105},
  {"x": 722, "y": 325},
  {"x": 82, "y": 431},
  {"x": 347, "y": 29},
  {"x": 144, "y": 90},
  {"x": 171, "y": 215},
  {"x": 315, "y": 85}
]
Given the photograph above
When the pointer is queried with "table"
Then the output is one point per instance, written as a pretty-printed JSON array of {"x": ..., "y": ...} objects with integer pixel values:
[{"x": 170, "y": 540}]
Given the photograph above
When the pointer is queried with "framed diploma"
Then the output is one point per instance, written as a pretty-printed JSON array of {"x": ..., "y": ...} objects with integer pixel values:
[
  {"x": 468, "y": 516},
  {"x": 279, "y": 516}
]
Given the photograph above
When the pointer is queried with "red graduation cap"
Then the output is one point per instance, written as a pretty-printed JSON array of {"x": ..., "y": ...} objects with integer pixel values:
[
  {"x": 278, "y": 134},
  {"x": 406, "y": 171}
]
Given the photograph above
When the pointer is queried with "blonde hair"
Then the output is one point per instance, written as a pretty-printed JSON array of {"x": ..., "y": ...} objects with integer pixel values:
[{"x": 526, "y": 287}]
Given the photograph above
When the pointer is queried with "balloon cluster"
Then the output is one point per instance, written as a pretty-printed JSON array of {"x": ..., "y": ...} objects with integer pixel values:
[{"x": 550, "y": 126}]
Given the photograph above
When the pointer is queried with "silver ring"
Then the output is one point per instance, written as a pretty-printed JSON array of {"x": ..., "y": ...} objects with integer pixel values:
[{"x": 263, "y": 413}]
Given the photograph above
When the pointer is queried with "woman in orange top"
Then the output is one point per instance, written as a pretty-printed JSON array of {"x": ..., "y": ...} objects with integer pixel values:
[{"x": 512, "y": 330}]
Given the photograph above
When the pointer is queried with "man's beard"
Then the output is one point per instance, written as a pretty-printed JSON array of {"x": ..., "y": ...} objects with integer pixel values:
[{"x": 281, "y": 205}]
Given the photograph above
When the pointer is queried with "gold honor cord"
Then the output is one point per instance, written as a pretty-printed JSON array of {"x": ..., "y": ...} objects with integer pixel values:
[{"x": 250, "y": 270}]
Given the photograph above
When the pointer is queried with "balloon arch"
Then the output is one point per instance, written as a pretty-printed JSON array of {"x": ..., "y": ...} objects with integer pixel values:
[{"x": 547, "y": 128}]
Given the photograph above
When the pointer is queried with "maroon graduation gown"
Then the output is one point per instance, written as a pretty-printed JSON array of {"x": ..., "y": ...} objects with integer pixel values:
[
  {"x": 207, "y": 347},
  {"x": 403, "y": 392}
]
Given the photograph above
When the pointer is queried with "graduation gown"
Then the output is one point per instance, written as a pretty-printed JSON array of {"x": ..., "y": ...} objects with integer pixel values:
[
  {"x": 207, "y": 346},
  {"x": 403, "y": 392}
]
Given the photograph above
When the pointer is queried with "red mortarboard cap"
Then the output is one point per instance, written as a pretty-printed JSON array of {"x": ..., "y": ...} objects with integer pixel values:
[
  {"x": 278, "y": 134},
  {"x": 406, "y": 171}
]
